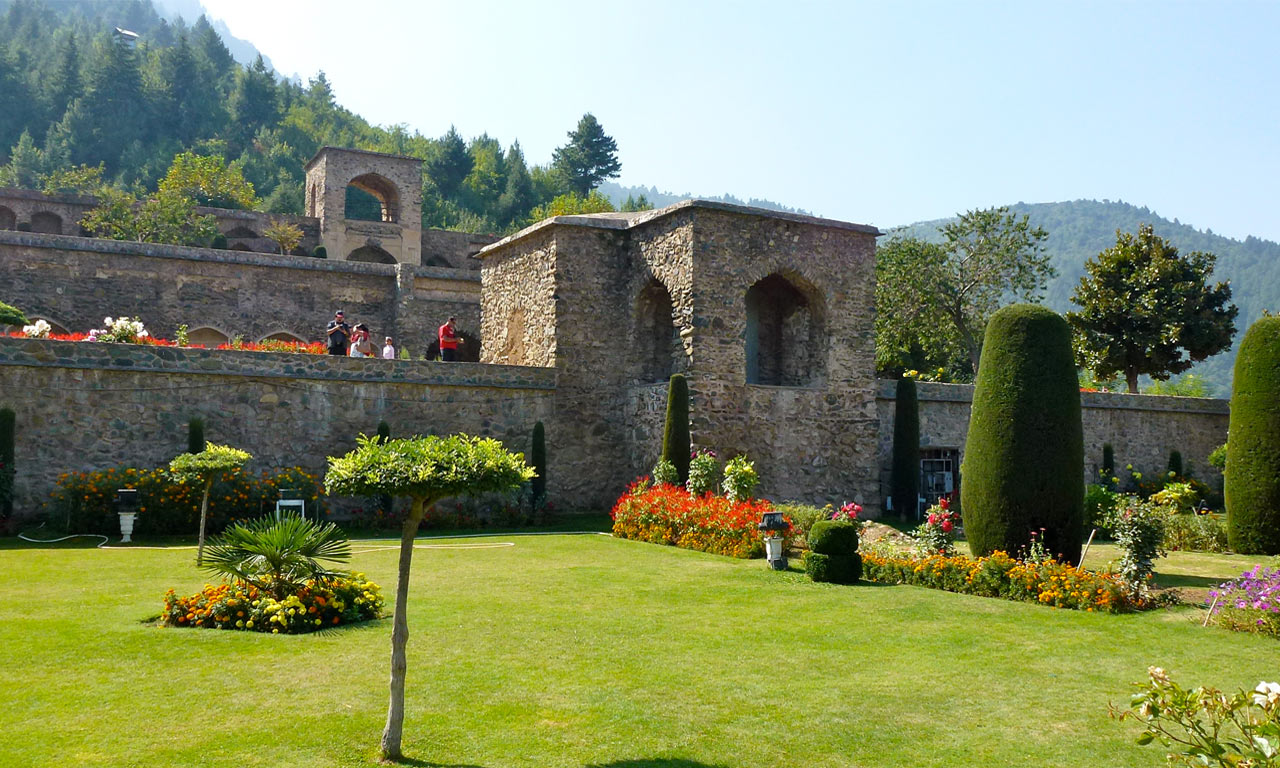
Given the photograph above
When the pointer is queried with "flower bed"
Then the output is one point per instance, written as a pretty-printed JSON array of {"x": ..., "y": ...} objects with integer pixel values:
[
  {"x": 1048, "y": 582},
  {"x": 668, "y": 514},
  {"x": 347, "y": 599},
  {"x": 84, "y": 502},
  {"x": 1250, "y": 603}
]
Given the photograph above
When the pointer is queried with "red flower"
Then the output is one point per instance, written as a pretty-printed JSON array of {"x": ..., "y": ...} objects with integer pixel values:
[
  {"x": 933, "y": 519},
  {"x": 946, "y": 526},
  {"x": 944, "y": 502}
]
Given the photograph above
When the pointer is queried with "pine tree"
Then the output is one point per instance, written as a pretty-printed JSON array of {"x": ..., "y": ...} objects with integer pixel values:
[
  {"x": 448, "y": 163},
  {"x": 252, "y": 103},
  {"x": 517, "y": 198},
  {"x": 25, "y": 166},
  {"x": 590, "y": 157}
]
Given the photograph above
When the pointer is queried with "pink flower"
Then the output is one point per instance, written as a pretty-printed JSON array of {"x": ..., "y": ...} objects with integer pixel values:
[
  {"x": 947, "y": 526},
  {"x": 944, "y": 502},
  {"x": 933, "y": 519}
]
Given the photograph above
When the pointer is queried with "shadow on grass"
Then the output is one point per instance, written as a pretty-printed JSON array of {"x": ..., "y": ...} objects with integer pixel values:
[{"x": 1187, "y": 580}]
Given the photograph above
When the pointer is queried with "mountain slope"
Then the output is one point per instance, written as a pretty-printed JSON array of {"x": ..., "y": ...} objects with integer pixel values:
[{"x": 1080, "y": 229}]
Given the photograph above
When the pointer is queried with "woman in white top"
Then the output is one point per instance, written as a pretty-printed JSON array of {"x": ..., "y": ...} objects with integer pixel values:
[{"x": 389, "y": 351}]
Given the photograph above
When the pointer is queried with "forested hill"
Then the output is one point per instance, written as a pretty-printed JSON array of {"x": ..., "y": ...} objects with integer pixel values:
[
  {"x": 1080, "y": 229},
  {"x": 619, "y": 194}
]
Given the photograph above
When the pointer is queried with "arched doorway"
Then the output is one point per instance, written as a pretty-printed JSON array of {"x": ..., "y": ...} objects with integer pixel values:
[
  {"x": 657, "y": 337},
  {"x": 468, "y": 348},
  {"x": 785, "y": 333},
  {"x": 8, "y": 219},
  {"x": 46, "y": 222},
  {"x": 371, "y": 254},
  {"x": 284, "y": 336},
  {"x": 372, "y": 197}
]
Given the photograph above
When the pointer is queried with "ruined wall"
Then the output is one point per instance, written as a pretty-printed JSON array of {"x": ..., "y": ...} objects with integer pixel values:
[
  {"x": 75, "y": 282},
  {"x": 815, "y": 442},
  {"x": 1142, "y": 429},
  {"x": 518, "y": 310},
  {"x": 83, "y": 406}
]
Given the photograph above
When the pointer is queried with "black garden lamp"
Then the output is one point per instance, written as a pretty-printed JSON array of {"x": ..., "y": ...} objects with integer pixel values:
[
  {"x": 772, "y": 526},
  {"x": 127, "y": 508}
]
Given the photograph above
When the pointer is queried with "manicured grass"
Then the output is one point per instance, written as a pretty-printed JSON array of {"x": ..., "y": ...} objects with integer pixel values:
[{"x": 584, "y": 651}]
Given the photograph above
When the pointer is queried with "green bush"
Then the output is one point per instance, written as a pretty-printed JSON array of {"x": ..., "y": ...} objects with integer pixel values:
[
  {"x": 804, "y": 516},
  {"x": 1024, "y": 456},
  {"x": 675, "y": 434},
  {"x": 740, "y": 478},
  {"x": 703, "y": 470},
  {"x": 1175, "y": 463},
  {"x": 665, "y": 474},
  {"x": 11, "y": 315},
  {"x": 1195, "y": 533},
  {"x": 1253, "y": 444},
  {"x": 833, "y": 569},
  {"x": 195, "y": 436},
  {"x": 833, "y": 537},
  {"x": 904, "y": 480},
  {"x": 219, "y": 242},
  {"x": 538, "y": 458},
  {"x": 1099, "y": 506}
]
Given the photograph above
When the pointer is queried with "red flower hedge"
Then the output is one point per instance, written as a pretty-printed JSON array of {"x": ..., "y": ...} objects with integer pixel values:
[{"x": 668, "y": 514}]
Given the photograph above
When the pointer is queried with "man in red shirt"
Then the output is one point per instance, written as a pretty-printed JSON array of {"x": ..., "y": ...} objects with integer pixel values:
[{"x": 449, "y": 341}]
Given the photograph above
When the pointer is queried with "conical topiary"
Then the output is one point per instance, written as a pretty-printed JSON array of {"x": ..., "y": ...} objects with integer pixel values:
[
  {"x": 1108, "y": 460},
  {"x": 1253, "y": 443},
  {"x": 675, "y": 434},
  {"x": 1175, "y": 463},
  {"x": 195, "y": 436},
  {"x": 538, "y": 458},
  {"x": 1024, "y": 457},
  {"x": 905, "y": 471}
]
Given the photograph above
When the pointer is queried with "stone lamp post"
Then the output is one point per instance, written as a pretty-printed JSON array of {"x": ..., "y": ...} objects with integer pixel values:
[
  {"x": 771, "y": 527},
  {"x": 127, "y": 509}
]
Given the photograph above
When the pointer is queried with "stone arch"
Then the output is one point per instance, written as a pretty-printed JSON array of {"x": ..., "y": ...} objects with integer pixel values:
[
  {"x": 54, "y": 325},
  {"x": 437, "y": 261},
  {"x": 371, "y": 253},
  {"x": 207, "y": 337},
  {"x": 46, "y": 222},
  {"x": 657, "y": 337},
  {"x": 284, "y": 336},
  {"x": 241, "y": 231},
  {"x": 240, "y": 247},
  {"x": 382, "y": 190},
  {"x": 468, "y": 347},
  {"x": 8, "y": 219},
  {"x": 785, "y": 338}
]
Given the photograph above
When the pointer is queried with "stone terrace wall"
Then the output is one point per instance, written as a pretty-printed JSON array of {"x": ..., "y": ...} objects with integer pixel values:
[
  {"x": 76, "y": 281},
  {"x": 1142, "y": 429},
  {"x": 85, "y": 406}
]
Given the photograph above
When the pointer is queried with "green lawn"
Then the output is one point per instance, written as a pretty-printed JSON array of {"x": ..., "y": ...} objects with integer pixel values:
[{"x": 586, "y": 651}]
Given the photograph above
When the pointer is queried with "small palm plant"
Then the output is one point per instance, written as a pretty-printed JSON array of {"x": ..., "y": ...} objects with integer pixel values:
[{"x": 278, "y": 557}]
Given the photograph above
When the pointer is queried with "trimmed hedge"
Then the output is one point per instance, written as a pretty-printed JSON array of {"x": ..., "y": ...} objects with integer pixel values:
[
  {"x": 833, "y": 537},
  {"x": 905, "y": 472},
  {"x": 833, "y": 569},
  {"x": 538, "y": 458},
  {"x": 1253, "y": 444},
  {"x": 1024, "y": 457},
  {"x": 675, "y": 434}
]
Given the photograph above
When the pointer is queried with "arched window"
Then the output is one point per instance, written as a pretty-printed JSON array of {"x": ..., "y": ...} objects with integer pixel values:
[
  {"x": 657, "y": 338},
  {"x": 284, "y": 336},
  {"x": 241, "y": 231},
  {"x": 372, "y": 254},
  {"x": 46, "y": 222},
  {"x": 206, "y": 337},
  {"x": 8, "y": 219},
  {"x": 785, "y": 334},
  {"x": 372, "y": 198}
]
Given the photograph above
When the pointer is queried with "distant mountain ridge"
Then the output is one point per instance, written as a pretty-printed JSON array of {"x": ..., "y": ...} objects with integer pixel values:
[
  {"x": 618, "y": 194},
  {"x": 1080, "y": 229}
]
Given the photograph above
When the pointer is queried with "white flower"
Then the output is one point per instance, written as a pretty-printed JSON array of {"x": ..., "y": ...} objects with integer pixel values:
[
  {"x": 142, "y": 334},
  {"x": 106, "y": 321},
  {"x": 1266, "y": 694}
]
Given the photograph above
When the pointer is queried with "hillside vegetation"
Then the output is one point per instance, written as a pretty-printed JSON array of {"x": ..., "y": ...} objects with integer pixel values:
[{"x": 1080, "y": 229}]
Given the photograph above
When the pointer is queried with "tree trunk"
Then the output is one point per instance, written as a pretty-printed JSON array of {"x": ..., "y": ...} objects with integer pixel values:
[
  {"x": 204, "y": 515},
  {"x": 400, "y": 636},
  {"x": 1131, "y": 377}
]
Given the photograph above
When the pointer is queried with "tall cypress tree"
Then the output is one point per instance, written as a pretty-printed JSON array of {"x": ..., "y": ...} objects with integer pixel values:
[
  {"x": 676, "y": 445},
  {"x": 905, "y": 470}
]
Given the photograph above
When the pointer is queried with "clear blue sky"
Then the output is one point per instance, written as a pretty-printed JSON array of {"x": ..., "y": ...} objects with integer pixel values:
[{"x": 877, "y": 113}]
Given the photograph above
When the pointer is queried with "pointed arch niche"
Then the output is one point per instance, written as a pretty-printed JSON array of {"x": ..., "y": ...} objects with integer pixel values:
[
  {"x": 372, "y": 197},
  {"x": 786, "y": 339},
  {"x": 657, "y": 336}
]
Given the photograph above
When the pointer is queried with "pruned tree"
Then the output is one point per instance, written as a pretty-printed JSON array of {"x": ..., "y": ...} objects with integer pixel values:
[
  {"x": 204, "y": 468},
  {"x": 942, "y": 294},
  {"x": 1146, "y": 309},
  {"x": 590, "y": 157},
  {"x": 286, "y": 235},
  {"x": 425, "y": 469}
]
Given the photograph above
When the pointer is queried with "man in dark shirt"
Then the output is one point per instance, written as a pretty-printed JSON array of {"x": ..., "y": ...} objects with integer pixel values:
[{"x": 339, "y": 334}]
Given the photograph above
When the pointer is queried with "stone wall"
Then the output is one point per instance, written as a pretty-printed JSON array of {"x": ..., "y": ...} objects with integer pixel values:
[
  {"x": 395, "y": 180},
  {"x": 74, "y": 282},
  {"x": 1142, "y": 429},
  {"x": 84, "y": 406}
]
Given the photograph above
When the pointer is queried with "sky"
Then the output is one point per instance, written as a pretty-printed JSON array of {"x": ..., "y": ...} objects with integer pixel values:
[{"x": 876, "y": 113}]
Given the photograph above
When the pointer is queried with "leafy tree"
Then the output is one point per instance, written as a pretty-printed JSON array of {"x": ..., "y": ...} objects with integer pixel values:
[
  {"x": 570, "y": 204},
  {"x": 25, "y": 165},
  {"x": 1145, "y": 309},
  {"x": 426, "y": 469},
  {"x": 912, "y": 330},
  {"x": 204, "y": 468},
  {"x": 80, "y": 180},
  {"x": 277, "y": 556},
  {"x": 208, "y": 180},
  {"x": 1186, "y": 385},
  {"x": 253, "y": 102},
  {"x": 448, "y": 163},
  {"x": 942, "y": 295},
  {"x": 286, "y": 234},
  {"x": 165, "y": 218},
  {"x": 589, "y": 158}
]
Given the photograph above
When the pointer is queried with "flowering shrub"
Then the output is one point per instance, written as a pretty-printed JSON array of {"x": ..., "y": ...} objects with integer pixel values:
[
  {"x": 1205, "y": 726},
  {"x": 1250, "y": 603},
  {"x": 848, "y": 512},
  {"x": 345, "y": 599},
  {"x": 1179, "y": 495},
  {"x": 84, "y": 502},
  {"x": 122, "y": 330},
  {"x": 667, "y": 514},
  {"x": 1139, "y": 531},
  {"x": 1048, "y": 583},
  {"x": 703, "y": 468},
  {"x": 936, "y": 535},
  {"x": 664, "y": 472},
  {"x": 740, "y": 479},
  {"x": 39, "y": 330},
  {"x": 277, "y": 345}
]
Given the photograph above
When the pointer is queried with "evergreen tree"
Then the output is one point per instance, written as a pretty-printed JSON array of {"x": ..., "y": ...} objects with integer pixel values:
[
  {"x": 113, "y": 103},
  {"x": 589, "y": 158},
  {"x": 213, "y": 49},
  {"x": 517, "y": 197},
  {"x": 252, "y": 102},
  {"x": 64, "y": 85},
  {"x": 448, "y": 163},
  {"x": 25, "y": 166},
  {"x": 13, "y": 92}
]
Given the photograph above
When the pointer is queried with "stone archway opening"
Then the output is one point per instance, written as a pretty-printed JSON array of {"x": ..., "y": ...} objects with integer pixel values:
[
  {"x": 657, "y": 337},
  {"x": 46, "y": 222},
  {"x": 468, "y": 348},
  {"x": 371, "y": 254},
  {"x": 209, "y": 338},
  {"x": 8, "y": 219},
  {"x": 284, "y": 336},
  {"x": 372, "y": 197},
  {"x": 785, "y": 333}
]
